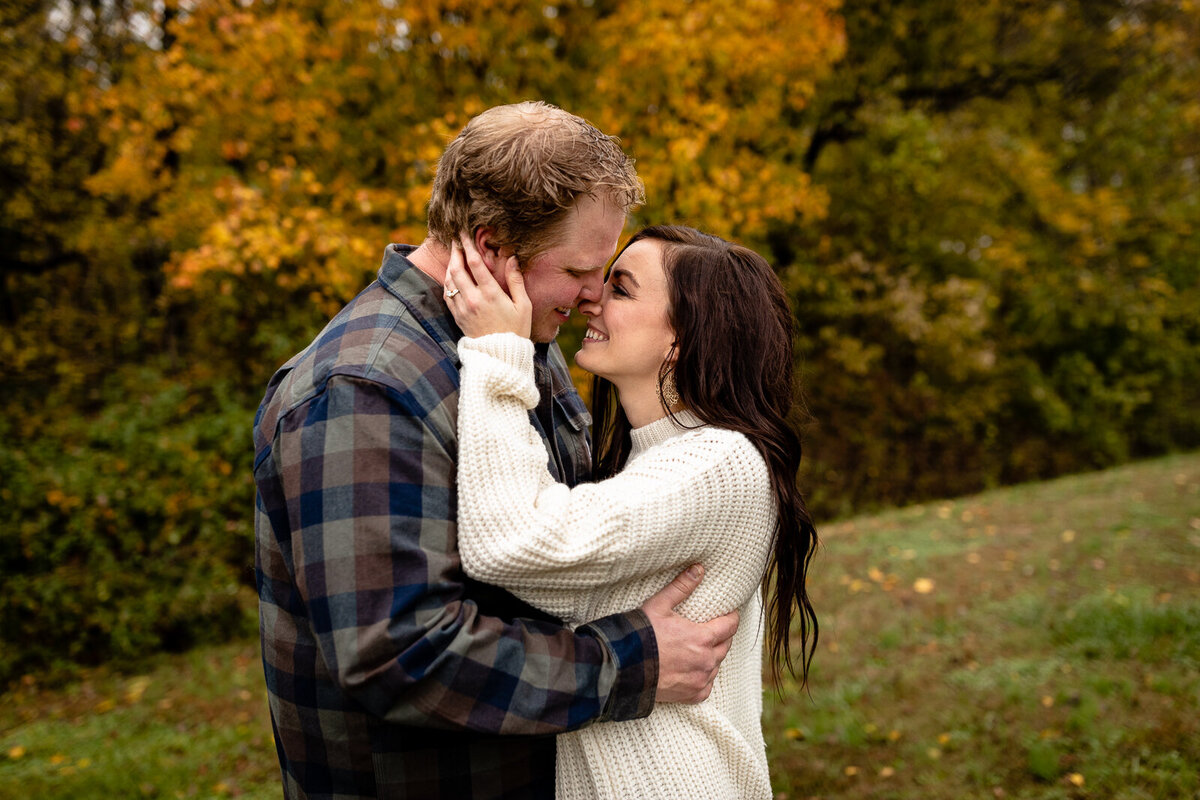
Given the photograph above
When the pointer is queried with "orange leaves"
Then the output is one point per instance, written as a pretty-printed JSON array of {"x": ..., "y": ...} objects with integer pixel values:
[
  {"x": 279, "y": 240},
  {"x": 875, "y": 578},
  {"x": 706, "y": 89}
]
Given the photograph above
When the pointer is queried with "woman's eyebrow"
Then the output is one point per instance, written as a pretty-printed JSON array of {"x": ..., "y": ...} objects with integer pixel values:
[{"x": 625, "y": 275}]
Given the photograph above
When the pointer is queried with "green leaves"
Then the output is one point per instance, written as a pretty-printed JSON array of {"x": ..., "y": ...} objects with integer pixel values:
[{"x": 985, "y": 214}]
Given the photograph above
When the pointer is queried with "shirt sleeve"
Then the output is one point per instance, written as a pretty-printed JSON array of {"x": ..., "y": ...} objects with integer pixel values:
[
  {"x": 674, "y": 505},
  {"x": 370, "y": 495}
]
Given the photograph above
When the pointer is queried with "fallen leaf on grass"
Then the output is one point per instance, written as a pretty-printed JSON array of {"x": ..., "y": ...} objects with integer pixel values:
[
  {"x": 1076, "y": 779},
  {"x": 923, "y": 586},
  {"x": 136, "y": 688},
  {"x": 16, "y": 752}
]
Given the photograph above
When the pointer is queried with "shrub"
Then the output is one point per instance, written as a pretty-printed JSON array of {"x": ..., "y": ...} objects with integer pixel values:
[{"x": 126, "y": 533}]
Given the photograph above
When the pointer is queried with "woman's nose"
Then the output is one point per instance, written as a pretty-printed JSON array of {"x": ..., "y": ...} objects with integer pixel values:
[{"x": 589, "y": 308}]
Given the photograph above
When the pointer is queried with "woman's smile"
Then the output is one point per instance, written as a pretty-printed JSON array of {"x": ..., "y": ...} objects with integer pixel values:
[
  {"x": 593, "y": 335},
  {"x": 632, "y": 321}
]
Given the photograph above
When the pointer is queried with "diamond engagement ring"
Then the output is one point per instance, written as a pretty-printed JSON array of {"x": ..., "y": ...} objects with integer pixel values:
[{"x": 450, "y": 292}]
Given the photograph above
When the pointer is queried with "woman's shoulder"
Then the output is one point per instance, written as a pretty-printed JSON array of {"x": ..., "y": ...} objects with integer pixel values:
[
  {"x": 715, "y": 434},
  {"x": 717, "y": 445}
]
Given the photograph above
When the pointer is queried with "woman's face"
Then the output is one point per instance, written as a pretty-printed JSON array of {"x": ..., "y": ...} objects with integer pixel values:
[{"x": 628, "y": 335}]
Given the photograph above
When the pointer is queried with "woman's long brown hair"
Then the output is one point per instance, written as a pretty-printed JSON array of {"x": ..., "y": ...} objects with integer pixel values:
[{"x": 733, "y": 369}]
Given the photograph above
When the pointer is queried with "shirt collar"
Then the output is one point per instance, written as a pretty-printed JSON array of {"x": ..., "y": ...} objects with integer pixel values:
[
  {"x": 662, "y": 429},
  {"x": 422, "y": 295}
]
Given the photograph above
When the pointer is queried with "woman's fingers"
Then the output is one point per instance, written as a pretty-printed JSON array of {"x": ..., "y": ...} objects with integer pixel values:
[
  {"x": 516, "y": 290},
  {"x": 459, "y": 281},
  {"x": 478, "y": 302},
  {"x": 454, "y": 273},
  {"x": 476, "y": 268}
]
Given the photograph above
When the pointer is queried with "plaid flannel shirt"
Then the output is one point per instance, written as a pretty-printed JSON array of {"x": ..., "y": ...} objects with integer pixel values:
[{"x": 390, "y": 673}]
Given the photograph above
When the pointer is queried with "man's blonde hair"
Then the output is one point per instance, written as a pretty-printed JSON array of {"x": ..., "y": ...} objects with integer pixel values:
[{"x": 519, "y": 168}]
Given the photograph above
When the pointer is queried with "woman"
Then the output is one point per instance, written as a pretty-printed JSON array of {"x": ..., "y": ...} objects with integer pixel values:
[{"x": 696, "y": 463}]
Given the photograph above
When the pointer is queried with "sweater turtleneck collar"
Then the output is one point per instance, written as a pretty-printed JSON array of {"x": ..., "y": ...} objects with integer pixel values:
[{"x": 661, "y": 430}]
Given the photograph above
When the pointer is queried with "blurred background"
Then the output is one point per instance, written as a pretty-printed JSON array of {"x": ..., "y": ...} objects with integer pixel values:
[{"x": 987, "y": 215}]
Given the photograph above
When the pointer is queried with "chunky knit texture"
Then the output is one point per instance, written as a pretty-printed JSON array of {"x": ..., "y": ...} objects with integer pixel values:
[{"x": 689, "y": 494}]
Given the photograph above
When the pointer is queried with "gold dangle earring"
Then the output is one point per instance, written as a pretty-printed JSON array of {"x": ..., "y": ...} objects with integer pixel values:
[{"x": 667, "y": 391}]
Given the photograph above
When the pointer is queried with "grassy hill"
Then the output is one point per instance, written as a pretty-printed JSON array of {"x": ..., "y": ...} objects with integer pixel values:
[{"x": 1040, "y": 641}]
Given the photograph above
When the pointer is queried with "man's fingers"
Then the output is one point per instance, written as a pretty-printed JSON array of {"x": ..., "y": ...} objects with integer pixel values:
[
  {"x": 723, "y": 628},
  {"x": 676, "y": 591}
]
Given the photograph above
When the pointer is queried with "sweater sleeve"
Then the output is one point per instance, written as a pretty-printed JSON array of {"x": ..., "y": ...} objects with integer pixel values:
[{"x": 520, "y": 529}]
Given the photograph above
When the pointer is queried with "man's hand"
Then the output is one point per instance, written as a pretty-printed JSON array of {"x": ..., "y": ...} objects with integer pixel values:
[{"x": 688, "y": 652}]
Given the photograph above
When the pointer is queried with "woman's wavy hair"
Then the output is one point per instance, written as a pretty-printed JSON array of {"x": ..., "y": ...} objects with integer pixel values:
[{"x": 733, "y": 369}]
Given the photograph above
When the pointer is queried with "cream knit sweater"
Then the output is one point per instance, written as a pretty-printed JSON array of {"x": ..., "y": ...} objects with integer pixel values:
[{"x": 684, "y": 497}]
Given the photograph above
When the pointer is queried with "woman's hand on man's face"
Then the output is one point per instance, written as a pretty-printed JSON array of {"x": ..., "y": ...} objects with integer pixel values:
[{"x": 478, "y": 303}]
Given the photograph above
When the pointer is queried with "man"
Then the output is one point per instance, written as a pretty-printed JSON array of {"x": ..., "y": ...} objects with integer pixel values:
[{"x": 389, "y": 672}]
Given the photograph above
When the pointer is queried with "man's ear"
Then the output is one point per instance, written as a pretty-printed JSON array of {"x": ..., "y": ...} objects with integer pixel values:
[{"x": 494, "y": 255}]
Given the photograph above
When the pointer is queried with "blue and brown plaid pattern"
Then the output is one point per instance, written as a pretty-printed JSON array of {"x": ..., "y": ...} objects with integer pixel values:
[{"x": 389, "y": 672}]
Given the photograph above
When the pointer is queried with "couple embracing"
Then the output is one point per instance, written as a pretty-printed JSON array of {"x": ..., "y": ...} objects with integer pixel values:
[{"x": 458, "y": 597}]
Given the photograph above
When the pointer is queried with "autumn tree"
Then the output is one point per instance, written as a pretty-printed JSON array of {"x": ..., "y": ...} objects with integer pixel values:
[
  {"x": 984, "y": 212},
  {"x": 1004, "y": 287}
]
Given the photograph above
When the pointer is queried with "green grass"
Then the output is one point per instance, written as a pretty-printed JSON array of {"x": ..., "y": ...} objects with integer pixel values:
[
  {"x": 1041, "y": 641},
  {"x": 192, "y": 726}
]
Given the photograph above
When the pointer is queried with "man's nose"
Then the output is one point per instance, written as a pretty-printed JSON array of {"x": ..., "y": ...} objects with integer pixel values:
[{"x": 593, "y": 287}]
